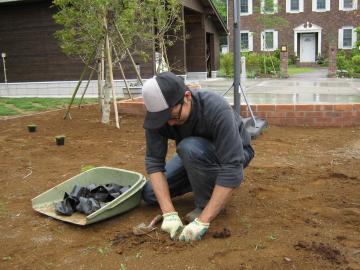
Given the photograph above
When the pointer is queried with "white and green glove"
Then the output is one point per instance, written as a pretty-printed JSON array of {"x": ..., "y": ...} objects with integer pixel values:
[
  {"x": 194, "y": 231},
  {"x": 172, "y": 224}
]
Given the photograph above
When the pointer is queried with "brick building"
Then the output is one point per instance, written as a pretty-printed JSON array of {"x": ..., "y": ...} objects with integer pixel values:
[{"x": 312, "y": 25}]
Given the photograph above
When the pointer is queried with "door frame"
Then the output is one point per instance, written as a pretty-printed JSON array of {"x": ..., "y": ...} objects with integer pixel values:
[{"x": 307, "y": 28}]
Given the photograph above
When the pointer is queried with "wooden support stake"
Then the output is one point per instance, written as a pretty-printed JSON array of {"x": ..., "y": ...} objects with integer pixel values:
[
  {"x": 128, "y": 53},
  {"x": 123, "y": 74},
  {"x": 76, "y": 90},
  {"x": 100, "y": 92},
  {"x": 86, "y": 87},
  {"x": 108, "y": 54}
]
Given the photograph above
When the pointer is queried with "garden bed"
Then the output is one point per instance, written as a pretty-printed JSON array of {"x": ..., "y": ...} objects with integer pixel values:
[{"x": 297, "y": 209}]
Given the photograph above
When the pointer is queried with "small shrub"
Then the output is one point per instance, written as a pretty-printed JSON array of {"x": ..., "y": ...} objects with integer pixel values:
[
  {"x": 227, "y": 64},
  {"x": 341, "y": 62},
  {"x": 293, "y": 59},
  {"x": 320, "y": 60},
  {"x": 356, "y": 63},
  {"x": 253, "y": 62},
  {"x": 276, "y": 54}
]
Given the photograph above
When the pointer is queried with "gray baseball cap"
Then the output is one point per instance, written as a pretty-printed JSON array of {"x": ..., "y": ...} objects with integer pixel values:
[{"x": 160, "y": 94}]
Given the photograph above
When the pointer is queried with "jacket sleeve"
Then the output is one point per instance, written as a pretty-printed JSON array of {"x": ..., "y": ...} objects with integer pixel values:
[
  {"x": 229, "y": 148},
  {"x": 156, "y": 149}
]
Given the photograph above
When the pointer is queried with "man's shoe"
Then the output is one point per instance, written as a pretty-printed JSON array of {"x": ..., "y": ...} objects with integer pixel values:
[{"x": 190, "y": 217}]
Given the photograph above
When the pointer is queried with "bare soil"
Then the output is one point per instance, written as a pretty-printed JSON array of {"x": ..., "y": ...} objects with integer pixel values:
[{"x": 299, "y": 207}]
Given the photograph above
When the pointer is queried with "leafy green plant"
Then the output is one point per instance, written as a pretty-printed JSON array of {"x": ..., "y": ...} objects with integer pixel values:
[
  {"x": 227, "y": 64},
  {"x": 293, "y": 59},
  {"x": 320, "y": 60},
  {"x": 356, "y": 63},
  {"x": 253, "y": 63},
  {"x": 341, "y": 61}
]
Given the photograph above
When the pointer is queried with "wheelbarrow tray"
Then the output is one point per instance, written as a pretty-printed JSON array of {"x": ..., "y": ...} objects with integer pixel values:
[{"x": 44, "y": 203}]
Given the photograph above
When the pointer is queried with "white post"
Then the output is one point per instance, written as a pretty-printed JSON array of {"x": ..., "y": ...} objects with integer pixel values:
[
  {"x": 3, "y": 55},
  {"x": 243, "y": 69}
]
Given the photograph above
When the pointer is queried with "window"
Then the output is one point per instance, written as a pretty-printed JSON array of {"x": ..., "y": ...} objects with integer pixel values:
[
  {"x": 269, "y": 6},
  {"x": 269, "y": 40},
  {"x": 347, "y": 37},
  {"x": 245, "y": 7},
  {"x": 246, "y": 41},
  {"x": 348, "y": 5},
  {"x": 294, "y": 5},
  {"x": 321, "y": 5}
]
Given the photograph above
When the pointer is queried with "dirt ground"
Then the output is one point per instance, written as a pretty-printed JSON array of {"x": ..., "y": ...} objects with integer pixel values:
[{"x": 299, "y": 207}]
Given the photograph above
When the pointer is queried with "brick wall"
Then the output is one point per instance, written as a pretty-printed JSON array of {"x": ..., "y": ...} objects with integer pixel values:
[
  {"x": 330, "y": 22},
  {"x": 314, "y": 115}
]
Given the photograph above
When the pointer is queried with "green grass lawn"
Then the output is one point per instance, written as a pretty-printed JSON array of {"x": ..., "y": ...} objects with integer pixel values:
[
  {"x": 293, "y": 70},
  {"x": 18, "y": 106}
]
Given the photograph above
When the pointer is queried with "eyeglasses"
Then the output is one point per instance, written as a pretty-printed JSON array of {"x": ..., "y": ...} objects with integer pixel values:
[{"x": 178, "y": 116}]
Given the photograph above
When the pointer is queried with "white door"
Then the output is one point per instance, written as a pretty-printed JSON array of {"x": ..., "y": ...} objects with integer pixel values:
[{"x": 307, "y": 48}]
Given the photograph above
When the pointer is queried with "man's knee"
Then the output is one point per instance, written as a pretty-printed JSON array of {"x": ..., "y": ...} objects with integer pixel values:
[
  {"x": 192, "y": 149},
  {"x": 148, "y": 194}
]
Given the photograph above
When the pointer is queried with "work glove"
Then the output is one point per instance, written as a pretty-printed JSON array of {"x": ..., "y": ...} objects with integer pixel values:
[
  {"x": 194, "y": 231},
  {"x": 172, "y": 224}
]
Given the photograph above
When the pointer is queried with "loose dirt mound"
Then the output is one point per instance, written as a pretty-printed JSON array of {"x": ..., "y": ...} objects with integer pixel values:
[{"x": 302, "y": 189}]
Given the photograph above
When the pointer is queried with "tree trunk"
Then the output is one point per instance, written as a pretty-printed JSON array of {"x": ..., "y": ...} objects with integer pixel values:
[
  {"x": 106, "y": 91},
  {"x": 100, "y": 87}
]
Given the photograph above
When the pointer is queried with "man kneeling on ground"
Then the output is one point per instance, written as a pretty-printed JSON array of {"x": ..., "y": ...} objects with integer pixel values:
[{"x": 212, "y": 149}]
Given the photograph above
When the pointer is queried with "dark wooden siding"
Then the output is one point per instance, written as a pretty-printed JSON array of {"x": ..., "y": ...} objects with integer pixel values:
[
  {"x": 33, "y": 54},
  {"x": 195, "y": 42}
]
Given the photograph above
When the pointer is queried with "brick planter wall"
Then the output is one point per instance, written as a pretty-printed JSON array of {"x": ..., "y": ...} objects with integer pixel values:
[{"x": 314, "y": 115}]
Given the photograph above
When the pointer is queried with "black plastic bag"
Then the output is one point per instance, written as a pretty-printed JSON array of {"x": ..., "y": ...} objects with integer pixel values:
[
  {"x": 87, "y": 205},
  {"x": 88, "y": 199},
  {"x": 67, "y": 206}
]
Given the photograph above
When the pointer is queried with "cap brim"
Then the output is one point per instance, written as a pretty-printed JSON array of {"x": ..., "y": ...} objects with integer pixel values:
[{"x": 155, "y": 120}]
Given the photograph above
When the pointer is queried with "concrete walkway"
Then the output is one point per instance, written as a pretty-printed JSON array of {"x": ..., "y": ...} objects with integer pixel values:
[{"x": 312, "y": 87}]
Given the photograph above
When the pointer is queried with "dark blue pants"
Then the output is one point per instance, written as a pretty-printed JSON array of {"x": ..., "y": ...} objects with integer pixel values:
[{"x": 194, "y": 168}]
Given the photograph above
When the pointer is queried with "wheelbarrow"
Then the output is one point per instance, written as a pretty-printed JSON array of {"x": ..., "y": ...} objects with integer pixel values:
[{"x": 44, "y": 203}]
